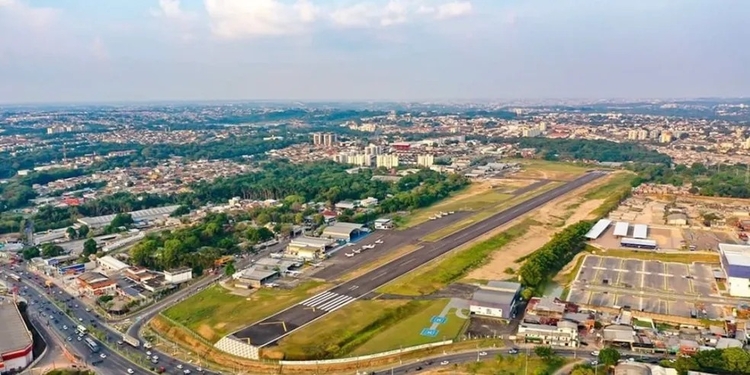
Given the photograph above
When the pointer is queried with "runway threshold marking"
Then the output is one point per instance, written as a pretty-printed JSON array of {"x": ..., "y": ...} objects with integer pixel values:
[{"x": 283, "y": 324}]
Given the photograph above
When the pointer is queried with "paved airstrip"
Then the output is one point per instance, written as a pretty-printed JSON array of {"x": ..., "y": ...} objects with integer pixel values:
[{"x": 649, "y": 285}]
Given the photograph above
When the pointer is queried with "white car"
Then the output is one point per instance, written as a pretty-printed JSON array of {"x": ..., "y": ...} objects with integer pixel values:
[
  {"x": 444, "y": 363},
  {"x": 148, "y": 353},
  {"x": 88, "y": 309},
  {"x": 379, "y": 241},
  {"x": 482, "y": 354},
  {"x": 179, "y": 366},
  {"x": 595, "y": 353},
  {"x": 186, "y": 371},
  {"x": 130, "y": 371},
  {"x": 594, "y": 363},
  {"x": 102, "y": 356}
]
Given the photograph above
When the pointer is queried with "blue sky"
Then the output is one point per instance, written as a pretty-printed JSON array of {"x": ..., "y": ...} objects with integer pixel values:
[{"x": 142, "y": 50}]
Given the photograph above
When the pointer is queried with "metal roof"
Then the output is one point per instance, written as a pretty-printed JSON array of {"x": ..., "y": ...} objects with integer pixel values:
[
  {"x": 621, "y": 229},
  {"x": 310, "y": 241},
  {"x": 640, "y": 231},
  {"x": 341, "y": 229},
  {"x": 493, "y": 297},
  {"x": 735, "y": 259},
  {"x": 150, "y": 213},
  {"x": 598, "y": 229},
  {"x": 637, "y": 241},
  {"x": 13, "y": 333}
]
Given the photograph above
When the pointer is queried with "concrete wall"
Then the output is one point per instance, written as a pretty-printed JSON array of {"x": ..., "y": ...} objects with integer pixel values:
[
  {"x": 364, "y": 357},
  {"x": 238, "y": 348}
]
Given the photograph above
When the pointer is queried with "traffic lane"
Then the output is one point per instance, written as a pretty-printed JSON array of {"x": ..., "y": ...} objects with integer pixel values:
[{"x": 114, "y": 359}]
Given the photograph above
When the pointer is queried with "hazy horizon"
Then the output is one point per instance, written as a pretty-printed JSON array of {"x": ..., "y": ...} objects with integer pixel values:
[{"x": 80, "y": 52}]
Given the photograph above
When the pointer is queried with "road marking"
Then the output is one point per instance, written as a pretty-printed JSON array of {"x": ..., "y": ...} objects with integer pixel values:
[
  {"x": 380, "y": 275},
  {"x": 407, "y": 262},
  {"x": 336, "y": 303},
  {"x": 354, "y": 287}
]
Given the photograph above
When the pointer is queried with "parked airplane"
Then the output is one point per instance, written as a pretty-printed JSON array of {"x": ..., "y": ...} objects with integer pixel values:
[
  {"x": 349, "y": 255},
  {"x": 379, "y": 241},
  {"x": 356, "y": 251}
]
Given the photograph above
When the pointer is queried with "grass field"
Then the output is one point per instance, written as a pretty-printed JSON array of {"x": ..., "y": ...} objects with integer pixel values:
[
  {"x": 328, "y": 336},
  {"x": 215, "y": 312},
  {"x": 508, "y": 365},
  {"x": 550, "y": 170},
  {"x": 679, "y": 257},
  {"x": 436, "y": 275},
  {"x": 407, "y": 332}
]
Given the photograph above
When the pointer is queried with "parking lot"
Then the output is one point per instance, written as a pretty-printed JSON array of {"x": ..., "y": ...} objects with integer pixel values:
[{"x": 647, "y": 285}]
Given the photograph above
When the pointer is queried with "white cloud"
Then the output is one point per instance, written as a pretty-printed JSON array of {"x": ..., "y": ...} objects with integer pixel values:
[
  {"x": 19, "y": 12},
  {"x": 236, "y": 19},
  {"x": 453, "y": 9},
  {"x": 233, "y": 19},
  {"x": 171, "y": 9}
]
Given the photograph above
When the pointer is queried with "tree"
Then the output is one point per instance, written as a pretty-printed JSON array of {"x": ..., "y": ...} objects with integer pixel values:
[
  {"x": 609, "y": 356},
  {"x": 583, "y": 370},
  {"x": 31, "y": 252},
  {"x": 544, "y": 351},
  {"x": 49, "y": 250},
  {"x": 83, "y": 231},
  {"x": 263, "y": 219},
  {"x": 89, "y": 247},
  {"x": 229, "y": 270},
  {"x": 71, "y": 233}
]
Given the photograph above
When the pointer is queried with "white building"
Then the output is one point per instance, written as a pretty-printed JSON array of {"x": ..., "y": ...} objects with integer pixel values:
[
  {"x": 16, "y": 341},
  {"x": 426, "y": 160},
  {"x": 565, "y": 333},
  {"x": 735, "y": 260},
  {"x": 387, "y": 161},
  {"x": 111, "y": 264},
  {"x": 178, "y": 276},
  {"x": 532, "y": 132}
]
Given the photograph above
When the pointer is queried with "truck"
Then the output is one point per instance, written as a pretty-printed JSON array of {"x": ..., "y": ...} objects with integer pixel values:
[{"x": 131, "y": 340}]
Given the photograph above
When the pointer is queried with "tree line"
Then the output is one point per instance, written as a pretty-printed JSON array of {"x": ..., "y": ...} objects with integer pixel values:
[
  {"x": 713, "y": 181},
  {"x": 732, "y": 361},
  {"x": 553, "y": 256}
]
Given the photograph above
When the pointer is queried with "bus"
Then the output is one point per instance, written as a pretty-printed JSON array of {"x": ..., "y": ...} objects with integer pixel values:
[
  {"x": 81, "y": 329},
  {"x": 14, "y": 277},
  {"x": 91, "y": 344}
]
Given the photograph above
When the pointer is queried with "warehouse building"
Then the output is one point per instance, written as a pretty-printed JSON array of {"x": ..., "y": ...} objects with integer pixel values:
[
  {"x": 141, "y": 216},
  {"x": 16, "y": 342},
  {"x": 735, "y": 260},
  {"x": 111, "y": 264},
  {"x": 638, "y": 243},
  {"x": 640, "y": 231},
  {"x": 179, "y": 275},
  {"x": 598, "y": 229},
  {"x": 621, "y": 229},
  {"x": 342, "y": 231},
  {"x": 309, "y": 248},
  {"x": 498, "y": 299}
]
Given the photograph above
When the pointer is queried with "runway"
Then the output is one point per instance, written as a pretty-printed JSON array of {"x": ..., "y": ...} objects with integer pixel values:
[{"x": 273, "y": 328}]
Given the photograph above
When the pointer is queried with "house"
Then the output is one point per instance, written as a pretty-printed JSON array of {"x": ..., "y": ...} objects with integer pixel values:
[
  {"x": 564, "y": 333},
  {"x": 498, "y": 299},
  {"x": 383, "y": 224},
  {"x": 177, "y": 276},
  {"x": 96, "y": 284},
  {"x": 368, "y": 202},
  {"x": 345, "y": 205},
  {"x": 677, "y": 219}
]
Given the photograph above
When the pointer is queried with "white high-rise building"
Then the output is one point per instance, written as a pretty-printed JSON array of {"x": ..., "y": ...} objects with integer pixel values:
[
  {"x": 426, "y": 160},
  {"x": 532, "y": 132},
  {"x": 387, "y": 161},
  {"x": 373, "y": 150}
]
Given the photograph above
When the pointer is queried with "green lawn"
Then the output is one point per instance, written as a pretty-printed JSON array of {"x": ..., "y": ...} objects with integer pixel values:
[
  {"x": 436, "y": 275},
  {"x": 458, "y": 202},
  {"x": 407, "y": 332},
  {"x": 512, "y": 365},
  {"x": 679, "y": 257},
  {"x": 215, "y": 312},
  {"x": 325, "y": 337}
]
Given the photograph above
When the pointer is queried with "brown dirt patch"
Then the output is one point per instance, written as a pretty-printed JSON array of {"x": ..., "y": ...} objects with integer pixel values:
[
  {"x": 553, "y": 217},
  {"x": 206, "y": 332}
]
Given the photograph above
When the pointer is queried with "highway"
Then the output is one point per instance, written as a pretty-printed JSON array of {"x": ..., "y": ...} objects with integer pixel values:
[
  {"x": 448, "y": 360},
  {"x": 271, "y": 329}
]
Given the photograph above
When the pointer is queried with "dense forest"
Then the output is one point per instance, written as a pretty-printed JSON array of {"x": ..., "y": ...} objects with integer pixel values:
[
  {"x": 719, "y": 180},
  {"x": 291, "y": 184},
  {"x": 586, "y": 149}
]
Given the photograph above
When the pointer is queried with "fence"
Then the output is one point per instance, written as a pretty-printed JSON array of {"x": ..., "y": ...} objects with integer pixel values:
[{"x": 365, "y": 357}]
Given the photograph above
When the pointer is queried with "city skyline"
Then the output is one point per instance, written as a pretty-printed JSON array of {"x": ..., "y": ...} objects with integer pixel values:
[{"x": 399, "y": 50}]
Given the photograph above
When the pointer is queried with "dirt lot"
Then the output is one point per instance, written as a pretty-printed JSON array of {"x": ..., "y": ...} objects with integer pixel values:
[{"x": 552, "y": 219}]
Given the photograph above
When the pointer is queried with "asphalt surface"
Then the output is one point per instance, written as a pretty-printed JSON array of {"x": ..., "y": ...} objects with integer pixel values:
[
  {"x": 449, "y": 360},
  {"x": 273, "y": 328}
]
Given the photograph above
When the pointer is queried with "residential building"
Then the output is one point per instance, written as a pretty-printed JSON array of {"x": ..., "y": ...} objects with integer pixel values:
[
  {"x": 426, "y": 160},
  {"x": 531, "y": 132},
  {"x": 387, "y": 161}
]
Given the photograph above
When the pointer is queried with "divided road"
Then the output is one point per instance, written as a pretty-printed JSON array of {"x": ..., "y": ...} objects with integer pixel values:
[{"x": 272, "y": 329}]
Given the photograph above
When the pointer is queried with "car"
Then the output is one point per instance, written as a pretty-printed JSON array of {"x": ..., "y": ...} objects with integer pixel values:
[
  {"x": 88, "y": 309},
  {"x": 179, "y": 366},
  {"x": 595, "y": 353},
  {"x": 186, "y": 371},
  {"x": 65, "y": 327},
  {"x": 419, "y": 368},
  {"x": 70, "y": 338},
  {"x": 79, "y": 338},
  {"x": 120, "y": 342},
  {"x": 148, "y": 353},
  {"x": 594, "y": 363},
  {"x": 482, "y": 353},
  {"x": 444, "y": 363},
  {"x": 80, "y": 319},
  {"x": 130, "y": 371},
  {"x": 199, "y": 369},
  {"x": 513, "y": 351},
  {"x": 102, "y": 356}
]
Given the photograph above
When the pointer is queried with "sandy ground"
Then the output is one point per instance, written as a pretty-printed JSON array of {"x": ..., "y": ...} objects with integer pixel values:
[{"x": 549, "y": 216}]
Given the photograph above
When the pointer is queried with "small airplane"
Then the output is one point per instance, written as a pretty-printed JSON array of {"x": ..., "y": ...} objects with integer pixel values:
[
  {"x": 379, "y": 241},
  {"x": 356, "y": 251},
  {"x": 368, "y": 247},
  {"x": 349, "y": 255}
]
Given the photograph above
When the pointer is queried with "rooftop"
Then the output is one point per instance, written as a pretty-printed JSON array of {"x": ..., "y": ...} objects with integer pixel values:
[
  {"x": 488, "y": 296},
  {"x": 14, "y": 335},
  {"x": 340, "y": 228},
  {"x": 503, "y": 286},
  {"x": 98, "y": 221}
]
